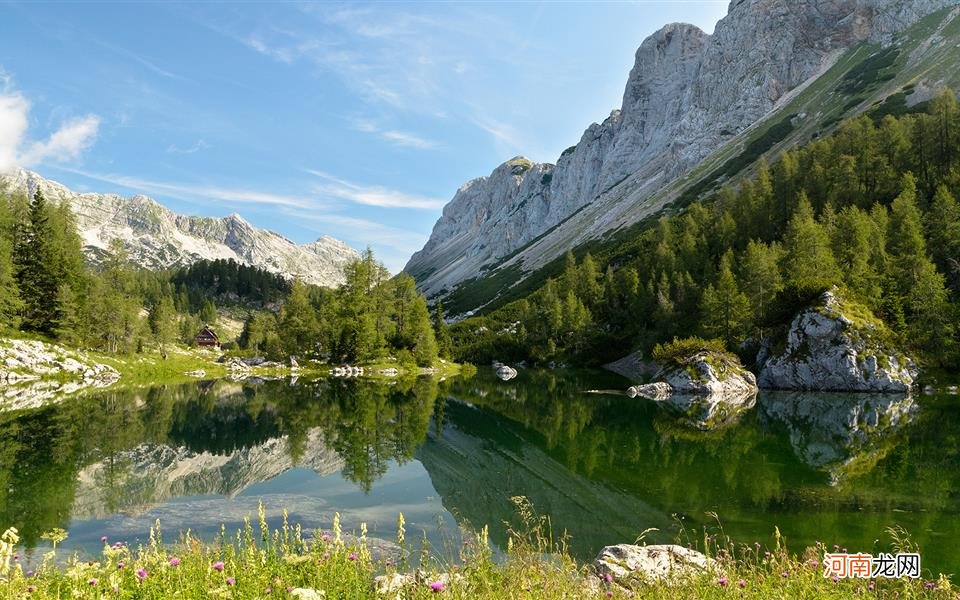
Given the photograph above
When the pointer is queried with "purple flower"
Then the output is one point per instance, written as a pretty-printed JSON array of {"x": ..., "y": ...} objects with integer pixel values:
[
  {"x": 268, "y": 591},
  {"x": 784, "y": 574},
  {"x": 353, "y": 556},
  {"x": 174, "y": 561},
  {"x": 93, "y": 581},
  {"x": 103, "y": 539},
  {"x": 757, "y": 544},
  {"x": 218, "y": 566},
  {"x": 742, "y": 583},
  {"x": 121, "y": 564},
  {"x": 871, "y": 585},
  {"x": 231, "y": 581},
  {"x": 325, "y": 537},
  {"x": 722, "y": 582},
  {"x": 609, "y": 594},
  {"x": 142, "y": 573},
  {"x": 436, "y": 586},
  {"x": 118, "y": 545},
  {"x": 608, "y": 577},
  {"x": 836, "y": 579},
  {"x": 929, "y": 585}
]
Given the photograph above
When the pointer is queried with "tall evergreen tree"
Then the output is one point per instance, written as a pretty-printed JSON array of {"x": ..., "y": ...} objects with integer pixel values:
[
  {"x": 36, "y": 277},
  {"x": 808, "y": 261}
]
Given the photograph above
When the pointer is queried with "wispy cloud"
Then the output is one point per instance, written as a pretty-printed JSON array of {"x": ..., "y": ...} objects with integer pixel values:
[
  {"x": 202, "y": 192},
  {"x": 146, "y": 63},
  {"x": 198, "y": 146},
  {"x": 67, "y": 143},
  {"x": 363, "y": 231},
  {"x": 394, "y": 136},
  {"x": 371, "y": 195}
]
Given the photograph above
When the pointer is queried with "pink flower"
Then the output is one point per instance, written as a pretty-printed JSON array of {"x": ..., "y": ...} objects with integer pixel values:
[
  {"x": 835, "y": 579},
  {"x": 174, "y": 561},
  {"x": 231, "y": 581},
  {"x": 93, "y": 581},
  {"x": 325, "y": 537},
  {"x": 436, "y": 586},
  {"x": 103, "y": 539},
  {"x": 353, "y": 556},
  {"x": 268, "y": 591},
  {"x": 742, "y": 583},
  {"x": 784, "y": 574},
  {"x": 722, "y": 582},
  {"x": 218, "y": 566},
  {"x": 609, "y": 594},
  {"x": 121, "y": 564},
  {"x": 608, "y": 577},
  {"x": 142, "y": 573}
]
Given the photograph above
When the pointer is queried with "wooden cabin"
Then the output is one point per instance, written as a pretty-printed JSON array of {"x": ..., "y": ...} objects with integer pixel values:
[{"x": 207, "y": 338}]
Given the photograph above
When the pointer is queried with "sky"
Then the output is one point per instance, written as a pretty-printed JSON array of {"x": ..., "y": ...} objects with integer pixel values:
[{"x": 356, "y": 120}]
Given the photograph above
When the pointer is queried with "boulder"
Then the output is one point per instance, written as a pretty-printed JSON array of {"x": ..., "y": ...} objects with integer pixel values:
[
  {"x": 651, "y": 391},
  {"x": 651, "y": 563},
  {"x": 506, "y": 373},
  {"x": 837, "y": 346},
  {"x": 708, "y": 372}
]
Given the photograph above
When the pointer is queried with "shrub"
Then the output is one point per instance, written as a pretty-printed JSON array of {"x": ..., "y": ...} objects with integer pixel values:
[{"x": 680, "y": 349}]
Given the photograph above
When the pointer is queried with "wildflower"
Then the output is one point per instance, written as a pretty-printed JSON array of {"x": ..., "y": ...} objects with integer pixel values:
[
  {"x": 326, "y": 555},
  {"x": 766, "y": 554},
  {"x": 93, "y": 581},
  {"x": 929, "y": 585},
  {"x": 722, "y": 582},
  {"x": 103, "y": 539},
  {"x": 117, "y": 545},
  {"x": 742, "y": 583},
  {"x": 231, "y": 581},
  {"x": 757, "y": 544},
  {"x": 387, "y": 562},
  {"x": 436, "y": 586},
  {"x": 608, "y": 577},
  {"x": 814, "y": 563},
  {"x": 174, "y": 561},
  {"x": 836, "y": 546},
  {"x": 836, "y": 579},
  {"x": 784, "y": 574},
  {"x": 141, "y": 573},
  {"x": 609, "y": 594},
  {"x": 268, "y": 591},
  {"x": 353, "y": 556},
  {"x": 871, "y": 585},
  {"x": 121, "y": 564},
  {"x": 218, "y": 566},
  {"x": 325, "y": 537},
  {"x": 31, "y": 589},
  {"x": 30, "y": 573}
]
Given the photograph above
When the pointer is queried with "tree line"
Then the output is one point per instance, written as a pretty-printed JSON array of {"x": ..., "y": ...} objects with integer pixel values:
[
  {"x": 48, "y": 290},
  {"x": 871, "y": 208}
]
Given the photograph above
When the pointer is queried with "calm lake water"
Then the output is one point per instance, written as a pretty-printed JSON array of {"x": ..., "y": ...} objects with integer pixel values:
[{"x": 831, "y": 467}]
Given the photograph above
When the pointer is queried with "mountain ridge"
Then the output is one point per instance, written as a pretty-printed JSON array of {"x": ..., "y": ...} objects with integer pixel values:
[
  {"x": 691, "y": 100},
  {"x": 157, "y": 237}
]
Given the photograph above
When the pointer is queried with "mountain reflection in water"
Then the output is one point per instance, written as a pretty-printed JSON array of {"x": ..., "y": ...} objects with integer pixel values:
[{"x": 831, "y": 467}]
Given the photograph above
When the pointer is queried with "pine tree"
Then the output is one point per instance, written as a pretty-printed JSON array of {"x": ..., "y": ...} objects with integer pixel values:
[
  {"x": 760, "y": 279},
  {"x": 10, "y": 304},
  {"x": 943, "y": 230},
  {"x": 297, "y": 324},
  {"x": 725, "y": 309},
  {"x": 808, "y": 261},
  {"x": 442, "y": 332},
  {"x": 33, "y": 255},
  {"x": 163, "y": 322}
]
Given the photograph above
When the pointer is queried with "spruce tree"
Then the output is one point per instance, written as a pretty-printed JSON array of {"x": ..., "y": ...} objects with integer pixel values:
[
  {"x": 725, "y": 309},
  {"x": 808, "y": 262},
  {"x": 33, "y": 257}
]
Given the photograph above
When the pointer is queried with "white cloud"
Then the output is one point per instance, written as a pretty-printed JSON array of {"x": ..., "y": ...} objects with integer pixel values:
[
  {"x": 66, "y": 143},
  {"x": 394, "y": 136},
  {"x": 13, "y": 127},
  {"x": 201, "y": 192},
  {"x": 371, "y": 195},
  {"x": 200, "y": 145}
]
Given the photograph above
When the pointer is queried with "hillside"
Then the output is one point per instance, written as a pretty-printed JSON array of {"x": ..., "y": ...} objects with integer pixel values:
[
  {"x": 158, "y": 238},
  {"x": 697, "y": 110}
]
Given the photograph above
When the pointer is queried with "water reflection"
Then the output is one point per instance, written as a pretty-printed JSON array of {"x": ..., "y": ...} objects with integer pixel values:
[{"x": 604, "y": 468}]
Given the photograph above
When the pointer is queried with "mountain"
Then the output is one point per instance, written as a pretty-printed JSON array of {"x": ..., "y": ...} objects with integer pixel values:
[
  {"x": 697, "y": 110},
  {"x": 158, "y": 238}
]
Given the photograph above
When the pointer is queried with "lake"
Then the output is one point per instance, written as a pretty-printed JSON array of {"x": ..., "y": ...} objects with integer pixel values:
[{"x": 832, "y": 467}]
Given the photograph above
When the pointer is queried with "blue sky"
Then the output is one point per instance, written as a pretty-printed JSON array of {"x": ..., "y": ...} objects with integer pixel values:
[{"x": 355, "y": 120}]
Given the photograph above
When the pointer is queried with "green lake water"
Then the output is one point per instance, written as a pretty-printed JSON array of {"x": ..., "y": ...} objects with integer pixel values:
[{"x": 831, "y": 467}]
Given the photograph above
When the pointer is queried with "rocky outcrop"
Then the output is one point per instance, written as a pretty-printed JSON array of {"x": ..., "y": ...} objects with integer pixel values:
[
  {"x": 708, "y": 373},
  {"x": 158, "y": 238},
  {"x": 660, "y": 563},
  {"x": 837, "y": 346},
  {"x": 33, "y": 373},
  {"x": 688, "y": 95}
]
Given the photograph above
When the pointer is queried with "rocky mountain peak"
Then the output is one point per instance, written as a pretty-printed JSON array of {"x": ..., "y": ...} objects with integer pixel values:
[{"x": 156, "y": 237}]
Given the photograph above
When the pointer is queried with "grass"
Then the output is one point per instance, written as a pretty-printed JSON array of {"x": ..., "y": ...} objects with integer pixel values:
[{"x": 287, "y": 562}]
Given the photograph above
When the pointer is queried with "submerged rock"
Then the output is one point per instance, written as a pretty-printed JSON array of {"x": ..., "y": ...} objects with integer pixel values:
[
  {"x": 837, "y": 346},
  {"x": 506, "y": 372},
  {"x": 651, "y": 391},
  {"x": 652, "y": 563}
]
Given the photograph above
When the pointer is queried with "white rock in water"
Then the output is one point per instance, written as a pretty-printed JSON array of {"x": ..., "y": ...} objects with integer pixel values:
[
  {"x": 506, "y": 373},
  {"x": 652, "y": 563},
  {"x": 828, "y": 351}
]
